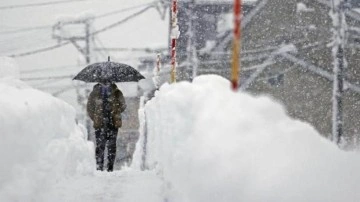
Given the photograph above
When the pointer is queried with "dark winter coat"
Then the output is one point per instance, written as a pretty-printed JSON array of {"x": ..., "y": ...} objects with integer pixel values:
[{"x": 95, "y": 106}]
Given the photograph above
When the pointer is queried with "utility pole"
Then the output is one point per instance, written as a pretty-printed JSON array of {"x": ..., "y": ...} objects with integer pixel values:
[
  {"x": 87, "y": 42},
  {"x": 235, "y": 65},
  {"x": 61, "y": 34},
  {"x": 87, "y": 90},
  {"x": 191, "y": 56},
  {"x": 174, "y": 36},
  {"x": 339, "y": 41}
]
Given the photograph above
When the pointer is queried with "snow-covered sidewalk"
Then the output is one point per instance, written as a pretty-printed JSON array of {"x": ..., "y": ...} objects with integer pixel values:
[
  {"x": 121, "y": 186},
  {"x": 204, "y": 143},
  {"x": 45, "y": 156}
]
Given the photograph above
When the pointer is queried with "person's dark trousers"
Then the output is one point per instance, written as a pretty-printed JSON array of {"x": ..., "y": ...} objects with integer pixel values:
[
  {"x": 102, "y": 136},
  {"x": 112, "y": 135}
]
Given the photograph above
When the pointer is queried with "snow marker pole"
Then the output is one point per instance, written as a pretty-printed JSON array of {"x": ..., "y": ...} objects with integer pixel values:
[
  {"x": 174, "y": 36},
  {"x": 236, "y": 46},
  {"x": 158, "y": 63},
  {"x": 156, "y": 71}
]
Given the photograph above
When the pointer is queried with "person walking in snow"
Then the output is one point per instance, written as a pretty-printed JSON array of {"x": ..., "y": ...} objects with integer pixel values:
[{"x": 105, "y": 105}]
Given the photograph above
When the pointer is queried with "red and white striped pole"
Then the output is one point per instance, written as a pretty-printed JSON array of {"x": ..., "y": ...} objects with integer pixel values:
[
  {"x": 236, "y": 46},
  {"x": 174, "y": 36}
]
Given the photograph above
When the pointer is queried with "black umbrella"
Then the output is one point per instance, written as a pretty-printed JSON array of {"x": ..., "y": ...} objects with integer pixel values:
[{"x": 102, "y": 72}]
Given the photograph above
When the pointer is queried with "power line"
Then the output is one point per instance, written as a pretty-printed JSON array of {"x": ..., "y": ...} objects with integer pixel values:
[
  {"x": 48, "y": 69},
  {"x": 26, "y": 29},
  {"x": 13, "y": 50},
  {"x": 121, "y": 21},
  {"x": 39, "y": 50},
  {"x": 47, "y": 78},
  {"x": 150, "y": 50},
  {"x": 124, "y": 9},
  {"x": 38, "y": 4},
  {"x": 18, "y": 43},
  {"x": 92, "y": 34},
  {"x": 65, "y": 89},
  {"x": 47, "y": 83}
]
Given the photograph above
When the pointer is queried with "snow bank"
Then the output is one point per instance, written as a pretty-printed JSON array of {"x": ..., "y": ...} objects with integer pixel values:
[
  {"x": 40, "y": 142},
  {"x": 210, "y": 144}
]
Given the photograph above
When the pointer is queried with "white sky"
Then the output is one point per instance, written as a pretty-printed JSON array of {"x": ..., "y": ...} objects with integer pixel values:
[{"x": 147, "y": 30}]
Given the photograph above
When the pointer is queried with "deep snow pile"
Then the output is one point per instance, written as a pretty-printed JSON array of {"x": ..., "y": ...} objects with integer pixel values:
[
  {"x": 211, "y": 144},
  {"x": 40, "y": 140}
]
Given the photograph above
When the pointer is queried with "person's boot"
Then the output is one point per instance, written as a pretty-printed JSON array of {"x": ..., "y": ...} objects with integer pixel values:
[
  {"x": 99, "y": 164},
  {"x": 111, "y": 161},
  {"x": 110, "y": 168}
]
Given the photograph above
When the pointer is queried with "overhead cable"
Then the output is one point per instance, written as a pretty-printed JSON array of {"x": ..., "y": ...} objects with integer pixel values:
[
  {"x": 39, "y": 50},
  {"x": 93, "y": 34},
  {"x": 124, "y": 9},
  {"x": 25, "y": 29},
  {"x": 48, "y": 69},
  {"x": 47, "y": 78},
  {"x": 121, "y": 21},
  {"x": 63, "y": 90},
  {"x": 38, "y": 4}
]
